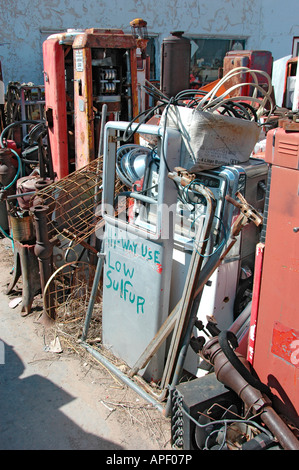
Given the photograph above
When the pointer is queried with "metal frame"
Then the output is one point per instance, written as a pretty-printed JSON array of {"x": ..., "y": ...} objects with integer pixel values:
[{"x": 169, "y": 142}]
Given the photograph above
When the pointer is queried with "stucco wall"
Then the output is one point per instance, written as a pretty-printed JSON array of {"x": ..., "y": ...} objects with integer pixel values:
[{"x": 267, "y": 24}]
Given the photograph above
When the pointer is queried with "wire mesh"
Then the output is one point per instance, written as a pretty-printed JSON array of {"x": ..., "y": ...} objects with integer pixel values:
[
  {"x": 74, "y": 203},
  {"x": 67, "y": 293}
]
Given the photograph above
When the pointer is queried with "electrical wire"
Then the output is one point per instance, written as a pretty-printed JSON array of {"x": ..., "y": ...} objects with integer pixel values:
[
  {"x": 146, "y": 114},
  {"x": 226, "y": 421},
  {"x": 209, "y": 102},
  {"x": 212, "y": 102}
]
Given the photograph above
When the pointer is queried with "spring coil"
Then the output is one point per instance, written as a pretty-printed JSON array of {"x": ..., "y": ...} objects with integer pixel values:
[{"x": 177, "y": 429}]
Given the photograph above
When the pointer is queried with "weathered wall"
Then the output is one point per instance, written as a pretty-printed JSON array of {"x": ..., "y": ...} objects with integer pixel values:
[{"x": 25, "y": 24}]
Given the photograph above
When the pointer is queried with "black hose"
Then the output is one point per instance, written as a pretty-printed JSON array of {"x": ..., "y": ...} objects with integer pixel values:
[
  {"x": 224, "y": 339},
  {"x": 14, "y": 124}
]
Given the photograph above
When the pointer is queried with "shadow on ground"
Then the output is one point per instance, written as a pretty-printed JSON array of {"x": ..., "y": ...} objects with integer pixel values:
[{"x": 30, "y": 416}]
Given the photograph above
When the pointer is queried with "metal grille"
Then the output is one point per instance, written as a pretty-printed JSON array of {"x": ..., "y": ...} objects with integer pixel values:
[{"x": 73, "y": 203}]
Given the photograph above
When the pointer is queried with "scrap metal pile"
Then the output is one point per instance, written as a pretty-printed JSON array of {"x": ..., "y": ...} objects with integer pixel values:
[{"x": 67, "y": 241}]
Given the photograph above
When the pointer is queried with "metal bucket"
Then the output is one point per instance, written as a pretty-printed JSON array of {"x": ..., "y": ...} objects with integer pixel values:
[{"x": 22, "y": 228}]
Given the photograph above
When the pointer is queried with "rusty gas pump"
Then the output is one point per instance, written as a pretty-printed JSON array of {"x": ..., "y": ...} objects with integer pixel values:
[{"x": 90, "y": 76}]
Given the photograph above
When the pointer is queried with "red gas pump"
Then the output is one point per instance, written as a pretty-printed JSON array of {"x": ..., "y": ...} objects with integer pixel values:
[
  {"x": 275, "y": 355},
  {"x": 85, "y": 70}
]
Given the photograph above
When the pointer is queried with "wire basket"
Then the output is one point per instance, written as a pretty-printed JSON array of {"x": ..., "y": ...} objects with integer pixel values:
[
  {"x": 67, "y": 294},
  {"x": 74, "y": 203}
]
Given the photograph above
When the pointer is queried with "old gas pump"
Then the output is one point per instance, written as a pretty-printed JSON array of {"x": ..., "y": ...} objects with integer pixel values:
[
  {"x": 90, "y": 75},
  {"x": 105, "y": 73},
  {"x": 274, "y": 332},
  {"x": 138, "y": 254},
  {"x": 59, "y": 99}
]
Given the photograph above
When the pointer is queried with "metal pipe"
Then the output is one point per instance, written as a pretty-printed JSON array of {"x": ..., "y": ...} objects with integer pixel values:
[
  {"x": 190, "y": 287},
  {"x": 257, "y": 402},
  {"x": 15, "y": 196},
  {"x": 92, "y": 296},
  {"x": 183, "y": 352},
  {"x": 103, "y": 122},
  {"x": 129, "y": 83},
  {"x": 43, "y": 250},
  {"x": 124, "y": 378}
]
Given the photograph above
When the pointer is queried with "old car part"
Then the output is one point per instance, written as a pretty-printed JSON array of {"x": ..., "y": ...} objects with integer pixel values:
[{"x": 254, "y": 397}]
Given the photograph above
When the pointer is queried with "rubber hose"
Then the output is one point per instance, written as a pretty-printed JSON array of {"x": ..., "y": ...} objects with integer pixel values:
[
  {"x": 223, "y": 338},
  {"x": 14, "y": 124}
]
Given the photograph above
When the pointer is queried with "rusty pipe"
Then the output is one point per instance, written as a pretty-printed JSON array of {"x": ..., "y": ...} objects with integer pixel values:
[
  {"x": 257, "y": 401},
  {"x": 43, "y": 249}
]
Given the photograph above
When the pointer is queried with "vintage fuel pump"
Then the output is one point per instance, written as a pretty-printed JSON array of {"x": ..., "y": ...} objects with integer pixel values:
[
  {"x": 85, "y": 70},
  {"x": 275, "y": 349},
  {"x": 129, "y": 240},
  {"x": 105, "y": 72},
  {"x": 138, "y": 254},
  {"x": 59, "y": 99}
]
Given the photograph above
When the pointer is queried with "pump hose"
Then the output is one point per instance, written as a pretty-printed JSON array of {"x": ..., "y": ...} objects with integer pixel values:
[
  {"x": 2, "y": 145},
  {"x": 224, "y": 339}
]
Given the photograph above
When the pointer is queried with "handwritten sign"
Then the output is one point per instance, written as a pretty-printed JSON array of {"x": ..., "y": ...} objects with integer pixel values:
[
  {"x": 135, "y": 296},
  {"x": 127, "y": 262}
]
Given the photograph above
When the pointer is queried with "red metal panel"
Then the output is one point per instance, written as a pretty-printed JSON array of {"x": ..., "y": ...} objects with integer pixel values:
[
  {"x": 282, "y": 148},
  {"x": 279, "y": 295},
  {"x": 259, "y": 254},
  {"x": 55, "y": 98},
  {"x": 254, "y": 60}
]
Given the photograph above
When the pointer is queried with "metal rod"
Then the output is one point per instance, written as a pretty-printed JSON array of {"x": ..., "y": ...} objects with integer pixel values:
[
  {"x": 190, "y": 285},
  {"x": 103, "y": 122},
  {"x": 124, "y": 378},
  {"x": 92, "y": 296},
  {"x": 183, "y": 351},
  {"x": 15, "y": 196}
]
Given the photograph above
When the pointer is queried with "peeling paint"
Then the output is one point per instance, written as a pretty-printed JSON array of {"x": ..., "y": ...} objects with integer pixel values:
[{"x": 25, "y": 25}]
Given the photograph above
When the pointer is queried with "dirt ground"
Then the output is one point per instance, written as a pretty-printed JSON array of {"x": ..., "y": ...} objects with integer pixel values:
[{"x": 64, "y": 400}]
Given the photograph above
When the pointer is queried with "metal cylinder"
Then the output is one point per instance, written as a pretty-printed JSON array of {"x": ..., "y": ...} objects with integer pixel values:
[
  {"x": 43, "y": 251},
  {"x": 22, "y": 228},
  {"x": 175, "y": 64}
]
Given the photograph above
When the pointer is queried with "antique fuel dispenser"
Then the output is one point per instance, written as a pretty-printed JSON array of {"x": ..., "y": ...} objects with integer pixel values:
[
  {"x": 105, "y": 73},
  {"x": 59, "y": 99},
  {"x": 275, "y": 354},
  {"x": 138, "y": 253},
  {"x": 84, "y": 70}
]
